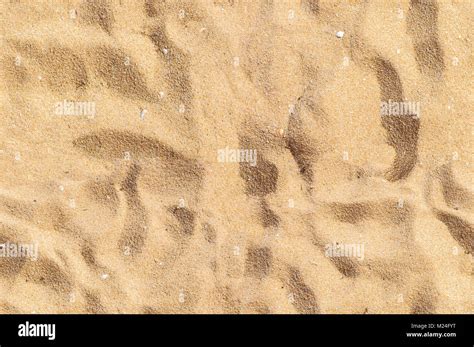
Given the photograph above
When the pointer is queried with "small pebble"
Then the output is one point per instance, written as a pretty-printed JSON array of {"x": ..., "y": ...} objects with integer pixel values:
[{"x": 142, "y": 114}]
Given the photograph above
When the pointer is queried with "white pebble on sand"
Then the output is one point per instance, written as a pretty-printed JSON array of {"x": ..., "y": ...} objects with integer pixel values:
[
  {"x": 142, "y": 113},
  {"x": 236, "y": 61}
]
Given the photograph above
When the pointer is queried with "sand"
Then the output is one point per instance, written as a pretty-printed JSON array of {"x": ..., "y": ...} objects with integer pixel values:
[{"x": 236, "y": 156}]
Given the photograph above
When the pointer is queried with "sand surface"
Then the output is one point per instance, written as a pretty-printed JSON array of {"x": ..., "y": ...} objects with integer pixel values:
[{"x": 119, "y": 125}]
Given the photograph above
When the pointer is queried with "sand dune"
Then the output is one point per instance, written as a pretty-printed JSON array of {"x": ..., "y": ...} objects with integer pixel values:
[{"x": 225, "y": 156}]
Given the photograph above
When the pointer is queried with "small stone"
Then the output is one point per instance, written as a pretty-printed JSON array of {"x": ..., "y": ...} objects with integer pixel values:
[
  {"x": 142, "y": 114},
  {"x": 340, "y": 34},
  {"x": 291, "y": 14},
  {"x": 291, "y": 108},
  {"x": 236, "y": 61}
]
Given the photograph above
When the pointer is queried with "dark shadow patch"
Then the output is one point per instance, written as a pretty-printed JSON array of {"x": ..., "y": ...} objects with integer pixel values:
[
  {"x": 422, "y": 24},
  {"x": 17, "y": 208},
  {"x": 104, "y": 193},
  {"x": 209, "y": 232},
  {"x": 258, "y": 262},
  {"x": 392, "y": 271},
  {"x": 303, "y": 158},
  {"x": 135, "y": 229},
  {"x": 258, "y": 64},
  {"x": 267, "y": 216},
  {"x": 229, "y": 302},
  {"x": 346, "y": 266},
  {"x": 129, "y": 184},
  {"x": 121, "y": 74},
  {"x": 459, "y": 229},
  {"x": 261, "y": 179},
  {"x": 351, "y": 213},
  {"x": 93, "y": 303},
  {"x": 178, "y": 171},
  {"x": 304, "y": 299},
  {"x": 403, "y": 136},
  {"x": 60, "y": 67},
  {"x": 389, "y": 211},
  {"x": 402, "y": 130},
  {"x": 454, "y": 194},
  {"x": 388, "y": 79},
  {"x": 177, "y": 62},
  {"x": 47, "y": 273},
  {"x": 385, "y": 211},
  {"x": 15, "y": 75},
  {"x": 98, "y": 13},
  {"x": 112, "y": 145},
  {"x": 185, "y": 218},
  {"x": 62, "y": 222},
  {"x": 151, "y": 9},
  {"x": 311, "y": 6},
  {"x": 301, "y": 148},
  {"x": 10, "y": 267},
  {"x": 64, "y": 70},
  {"x": 88, "y": 253},
  {"x": 423, "y": 301}
]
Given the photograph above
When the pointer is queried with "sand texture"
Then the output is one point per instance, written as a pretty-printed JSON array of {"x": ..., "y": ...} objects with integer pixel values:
[{"x": 120, "y": 125}]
